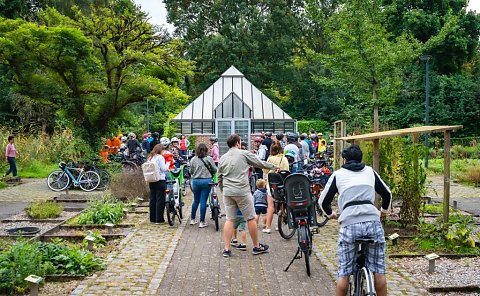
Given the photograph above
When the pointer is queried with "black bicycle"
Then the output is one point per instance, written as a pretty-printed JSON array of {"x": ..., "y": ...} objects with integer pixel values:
[
  {"x": 363, "y": 284},
  {"x": 301, "y": 208},
  {"x": 103, "y": 173},
  {"x": 277, "y": 188}
]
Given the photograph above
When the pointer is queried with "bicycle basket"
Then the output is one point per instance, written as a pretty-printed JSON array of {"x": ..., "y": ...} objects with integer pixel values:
[{"x": 297, "y": 192}]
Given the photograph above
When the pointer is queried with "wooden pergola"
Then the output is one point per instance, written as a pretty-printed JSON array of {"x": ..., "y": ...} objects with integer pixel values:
[{"x": 415, "y": 132}]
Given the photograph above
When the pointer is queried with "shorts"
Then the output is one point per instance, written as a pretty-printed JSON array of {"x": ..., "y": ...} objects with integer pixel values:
[
  {"x": 260, "y": 210},
  {"x": 244, "y": 203},
  {"x": 240, "y": 223},
  {"x": 347, "y": 235}
]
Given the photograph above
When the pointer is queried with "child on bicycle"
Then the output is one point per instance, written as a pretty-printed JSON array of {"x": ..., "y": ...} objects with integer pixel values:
[
  {"x": 239, "y": 226},
  {"x": 260, "y": 203}
]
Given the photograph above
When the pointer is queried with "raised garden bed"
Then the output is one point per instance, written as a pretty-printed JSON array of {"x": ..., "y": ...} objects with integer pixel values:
[
  {"x": 43, "y": 226},
  {"x": 23, "y": 217},
  {"x": 72, "y": 198}
]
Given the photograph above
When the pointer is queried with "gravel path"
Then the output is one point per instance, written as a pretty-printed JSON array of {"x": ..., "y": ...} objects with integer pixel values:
[{"x": 448, "y": 272}]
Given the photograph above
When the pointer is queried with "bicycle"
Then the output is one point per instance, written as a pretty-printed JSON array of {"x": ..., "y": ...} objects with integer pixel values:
[
  {"x": 103, "y": 173},
  {"x": 277, "y": 188},
  {"x": 363, "y": 284},
  {"x": 59, "y": 180},
  {"x": 173, "y": 202},
  {"x": 214, "y": 204},
  {"x": 301, "y": 206}
]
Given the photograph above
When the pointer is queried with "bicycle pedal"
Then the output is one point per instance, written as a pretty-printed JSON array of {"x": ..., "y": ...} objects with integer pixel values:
[{"x": 315, "y": 230}]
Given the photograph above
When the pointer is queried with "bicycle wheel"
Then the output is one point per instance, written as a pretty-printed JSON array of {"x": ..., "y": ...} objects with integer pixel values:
[
  {"x": 365, "y": 283},
  {"x": 129, "y": 166},
  {"x": 321, "y": 218},
  {"x": 216, "y": 217},
  {"x": 89, "y": 181},
  {"x": 304, "y": 242},
  {"x": 170, "y": 212},
  {"x": 58, "y": 180},
  {"x": 282, "y": 221},
  {"x": 104, "y": 179}
]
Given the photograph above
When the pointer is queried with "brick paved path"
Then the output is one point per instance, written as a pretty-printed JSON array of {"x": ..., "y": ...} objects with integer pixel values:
[
  {"x": 399, "y": 284},
  {"x": 467, "y": 197},
  {"x": 198, "y": 268}
]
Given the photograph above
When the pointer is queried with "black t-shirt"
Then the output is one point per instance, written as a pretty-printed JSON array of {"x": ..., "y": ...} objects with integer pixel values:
[
  {"x": 153, "y": 143},
  {"x": 132, "y": 145}
]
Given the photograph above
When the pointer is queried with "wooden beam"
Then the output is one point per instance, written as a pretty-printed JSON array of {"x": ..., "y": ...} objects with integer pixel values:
[{"x": 446, "y": 176}]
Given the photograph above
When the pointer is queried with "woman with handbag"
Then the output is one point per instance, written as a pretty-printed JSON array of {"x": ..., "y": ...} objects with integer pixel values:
[
  {"x": 202, "y": 169},
  {"x": 279, "y": 160}
]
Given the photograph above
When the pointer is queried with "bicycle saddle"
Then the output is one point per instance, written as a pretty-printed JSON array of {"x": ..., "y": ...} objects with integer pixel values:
[
  {"x": 364, "y": 241},
  {"x": 176, "y": 172}
]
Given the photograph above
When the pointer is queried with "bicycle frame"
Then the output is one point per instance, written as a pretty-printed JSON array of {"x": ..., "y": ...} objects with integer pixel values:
[
  {"x": 362, "y": 269},
  {"x": 72, "y": 177}
]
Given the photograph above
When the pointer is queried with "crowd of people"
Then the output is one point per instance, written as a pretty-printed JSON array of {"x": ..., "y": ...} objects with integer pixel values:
[{"x": 355, "y": 183}]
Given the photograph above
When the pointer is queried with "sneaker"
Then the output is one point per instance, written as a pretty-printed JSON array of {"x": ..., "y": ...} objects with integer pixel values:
[
  {"x": 193, "y": 222},
  {"x": 227, "y": 253},
  {"x": 242, "y": 247},
  {"x": 202, "y": 225},
  {"x": 260, "y": 249},
  {"x": 233, "y": 242},
  {"x": 267, "y": 230}
]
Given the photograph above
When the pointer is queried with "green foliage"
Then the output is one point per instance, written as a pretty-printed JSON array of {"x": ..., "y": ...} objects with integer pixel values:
[
  {"x": 44, "y": 210},
  {"x": 99, "y": 242},
  {"x": 454, "y": 236},
  {"x": 3, "y": 185},
  {"x": 319, "y": 126},
  {"x": 21, "y": 260},
  {"x": 193, "y": 142},
  {"x": 101, "y": 211},
  {"x": 169, "y": 129},
  {"x": 432, "y": 209}
]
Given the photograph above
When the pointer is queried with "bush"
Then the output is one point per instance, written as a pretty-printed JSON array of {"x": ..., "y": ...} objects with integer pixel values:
[
  {"x": 101, "y": 211},
  {"x": 44, "y": 210},
  {"x": 129, "y": 185},
  {"x": 3, "y": 185},
  {"x": 319, "y": 126},
  {"x": 473, "y": 174}
]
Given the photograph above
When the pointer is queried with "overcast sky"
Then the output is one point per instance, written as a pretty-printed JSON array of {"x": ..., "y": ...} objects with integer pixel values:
[{"x": 158, "y": 13}]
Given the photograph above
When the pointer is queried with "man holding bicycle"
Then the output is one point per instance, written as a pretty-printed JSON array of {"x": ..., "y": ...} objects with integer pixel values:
[{"x": 356, "y": 185}]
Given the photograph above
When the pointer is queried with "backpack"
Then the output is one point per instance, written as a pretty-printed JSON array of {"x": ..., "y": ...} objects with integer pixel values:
[{"x": 151, "y": 171}]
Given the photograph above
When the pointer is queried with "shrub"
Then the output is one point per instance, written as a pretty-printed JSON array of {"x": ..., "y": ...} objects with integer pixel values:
[
  {"x": 44, "y": 210},
  {"x": 320, "y": 126},
  {"x": 129, "y": 185},
  {"x": 3, "y": 185},
  {"x": 473, "y": 174},
  {"x": 101, "y": 211}
]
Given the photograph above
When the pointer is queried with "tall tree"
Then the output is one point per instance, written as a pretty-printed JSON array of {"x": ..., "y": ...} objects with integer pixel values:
[
  {"x": 365, "y": 58},
  {"x": 258, "y": 37},
  {"x": 95, "y": 65}
]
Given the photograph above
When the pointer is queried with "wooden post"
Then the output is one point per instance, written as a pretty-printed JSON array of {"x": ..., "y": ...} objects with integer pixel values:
[
  {"x": 415, "y": 160},
  {"x": 339, "y": 131},
  {"x": 446, "y": 176}
]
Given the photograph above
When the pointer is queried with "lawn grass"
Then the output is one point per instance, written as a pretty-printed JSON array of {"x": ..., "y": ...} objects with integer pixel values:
[
  {"x": 36, "y": 169},
  {"x": 435, "y": 166}
]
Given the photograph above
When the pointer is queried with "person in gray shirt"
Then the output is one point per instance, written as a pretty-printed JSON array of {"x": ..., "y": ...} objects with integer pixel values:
[
  {"x": 233, "y": 182},
  {"x": 202, "y": 169}
]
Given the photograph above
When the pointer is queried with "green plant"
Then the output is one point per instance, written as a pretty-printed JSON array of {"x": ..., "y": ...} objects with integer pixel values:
[
  {"x": 3, "y": 185},
  {"x": 21, "y": 260},
  {"x": 44, "y": 210},
  {"x": 101, "y": 211},
  {"x": 432, "y": 209},
  {"x": 392, "y": 223},
  {"x": 473, "y": 174},
  {"x": 99, "y": 242},
  {"x": 320, "y": 126}
]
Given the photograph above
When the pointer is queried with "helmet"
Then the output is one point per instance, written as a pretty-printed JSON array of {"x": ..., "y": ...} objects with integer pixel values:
[
  {"x": 292, "y": 137},
  {"x": 214, "y": 139},
  {"x": 258, "y": 139},
  {"x": 132, "y": 135},
  {"x": 268, "y": 134},
  {"x": 174, "y": 139},
  {"x": 279, "y": 136},
  {"x": 156, "y": 135},
  {"x": 124, "y": 139},
  {"x": 165, "y": 141},
  {"x": 145, "y": 136}
]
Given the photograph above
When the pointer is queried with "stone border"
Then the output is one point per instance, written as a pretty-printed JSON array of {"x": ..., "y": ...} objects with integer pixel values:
[{"x": 162, "y": 269}]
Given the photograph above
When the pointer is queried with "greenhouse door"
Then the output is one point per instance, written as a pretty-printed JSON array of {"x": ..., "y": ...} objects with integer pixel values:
[{"x": 226, "y": 127}]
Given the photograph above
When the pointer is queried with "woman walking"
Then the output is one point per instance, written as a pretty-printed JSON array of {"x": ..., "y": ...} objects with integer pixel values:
[
  {"x": 279, "y": 160},
  {"x": 203, "y": 170},
  {"x": 10, "y": 154},
  {"x": 157, "y": 189}
]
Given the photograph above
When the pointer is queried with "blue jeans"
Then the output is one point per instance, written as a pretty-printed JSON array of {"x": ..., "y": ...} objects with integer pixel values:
[
  {"x": 201, "y": 190},
  {"x": 13, "y": 166}
]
